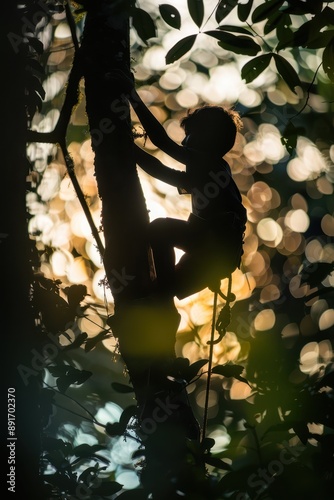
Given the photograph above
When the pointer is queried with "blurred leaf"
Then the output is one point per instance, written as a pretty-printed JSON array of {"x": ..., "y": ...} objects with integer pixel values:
[
  {"x": 302, "y": 431},
  {"x": 143, "y": 24},
  {"x": 88, "y": 475},
  {"x": 207, "y": 444},
  {"x": 299, "y": 427},
  {"x": 314, "y": 273},
  {"x": 64, "y": 483},
  {"x": 230, "y": 370},
  {"x": 118, "y": 428},
  {"x": 216, "y": 462},
  {"x": 180, "y": 48},
  {"x": 121, "y": 388},
  {"x": 237, "y": 44},
  {"x": 244, "y": 10},
  {"x": 78, "y": 341},
  {"x": 57, "y": 459},
  {"x": 326, "y": 381},
  {"x": 35, "y": 66},
  {"x": 50, "y": 443},
  {"x": 92, "y": 341},
  {"x": 75, "y": 294},
  {"x": 223, "y": 10},
  {"x": 196, "y": 11},
  {"x": 127, "y": 414},
  {"x": 328, "y": 60},
  {"x": 265, "y": 10},
  {"x": 36, "y": 44},
  {"x": 73, "y": 376},
  {"x": 86, "y": 450},
  {"x": 170, "y": 15},
  {"x": 107, "y": 488},
  {"x": 33, "y": 83},
  {"x": 252, "y": 69},
  {"x": 290, "y": 136},
  {"x": 114, "y": 429},
  {"x": 180, "y": 368},
  {"x": 193, "y": 369},
  {"x": 287, "y": 72}
]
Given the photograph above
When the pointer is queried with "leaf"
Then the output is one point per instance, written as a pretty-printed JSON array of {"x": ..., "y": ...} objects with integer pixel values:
[
  {"x": 328, "y": 60},
  {"x": 265, "y": 10},
  {"x": 86, "y": 450},
  {"x": 127, "y": 414},
  {"x": 290, "y": 137},
  {"x": 321, "y": 40},
  {"x": 170, "y": 15},
  {"x": 207, "y": 444},
  {"x": 75, "y": 294},
  {"x": 193, "y": 369},
  {"x": 35, "y": 66},
  {"x": 91, "y": 342},
  {"x": 180, "y": 48},
  {"x": 73, "y": 376},
  {"x": 252, "y": 69},
  {"x": 143, "y": 24},
  {"x": 234, "y": 29},
  {"x": 314, "y": 273},
  {"x": 114, "y": 429},
  {"x": 216, "y": 462},
  {"x": 287, "y": 72},
  {"x": 237, "y": 44},
  {"x": 302, "y": 431},
  {"x": 80, "y": 339},
  {"x": 273, "y": 21},
  {"x": 229, "y": 370},
  {"x": 244, "y": 10},
  {"x": 326, "y": 381},
  {"x": 196, "y": 11},
  {"x": 223, "y": 10},
  {"x": 36, "y": 44},
  {"x": 300, "y": 428},
  {"x": 34, "y": 83},
  {"x": 121, "y": 388},
  {"x": 118, "y": 428}
]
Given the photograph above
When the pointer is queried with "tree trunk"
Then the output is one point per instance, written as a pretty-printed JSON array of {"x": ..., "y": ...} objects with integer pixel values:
[{"x": 145, "y": 325}]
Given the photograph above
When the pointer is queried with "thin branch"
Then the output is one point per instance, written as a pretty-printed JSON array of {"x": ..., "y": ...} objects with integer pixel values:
[
  {"x": 81, "y": 197},
  {"x": 308, "y": 93},
  {"x": 74, "y": 401},
  {"x": 79, "y": 415},
  {"x": 214, "y": 10},
  {"x": 71, "y": 24}
]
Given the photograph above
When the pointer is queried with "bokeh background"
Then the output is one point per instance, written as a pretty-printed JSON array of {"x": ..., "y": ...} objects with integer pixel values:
[{"x": 279, "y": 332}]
